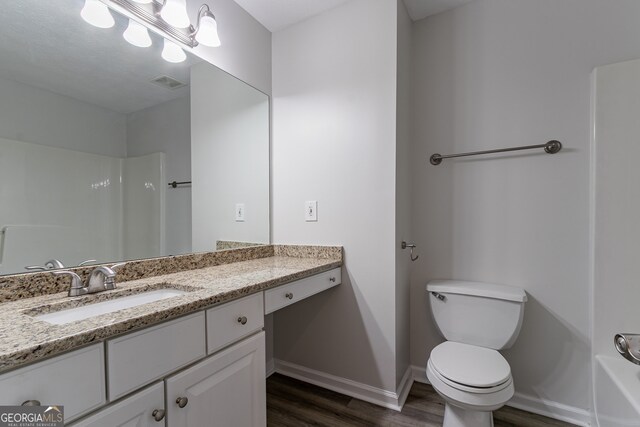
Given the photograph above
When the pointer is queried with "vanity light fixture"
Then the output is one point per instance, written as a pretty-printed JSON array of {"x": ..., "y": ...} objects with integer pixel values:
[
  {"x": 168, "y": 18},
  {"x": 206, "y": 30},
  {"x": 137, "y": 34},
  {"x": 97, "y": 14},
  {"x": 172, "y": 52}
]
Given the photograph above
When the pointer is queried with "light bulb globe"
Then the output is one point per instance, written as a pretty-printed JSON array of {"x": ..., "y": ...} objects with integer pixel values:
[
  {"x": 172, "y": 52},
  {"x": 97, "y": 14},
  {"x": 174, "y": 12},
  {"x": 137, "y": 34}
]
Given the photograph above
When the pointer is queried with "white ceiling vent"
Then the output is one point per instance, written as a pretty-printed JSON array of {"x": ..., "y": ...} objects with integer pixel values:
[{"x": 167, "y": 82}]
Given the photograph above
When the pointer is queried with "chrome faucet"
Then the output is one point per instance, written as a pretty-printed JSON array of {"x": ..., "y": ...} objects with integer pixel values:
[
  {"x": 76, "y": 288},
  {"x": 102, "y": 278}
]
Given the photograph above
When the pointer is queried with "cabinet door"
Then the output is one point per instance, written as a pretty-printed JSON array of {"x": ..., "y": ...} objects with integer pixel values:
[
  {"x": 140, "y": 410},
  {"x": 226, "y": 390}
]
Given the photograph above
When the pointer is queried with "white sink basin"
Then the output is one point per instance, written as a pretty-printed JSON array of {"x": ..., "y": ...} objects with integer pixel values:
[{"x": 63, "y": 317}]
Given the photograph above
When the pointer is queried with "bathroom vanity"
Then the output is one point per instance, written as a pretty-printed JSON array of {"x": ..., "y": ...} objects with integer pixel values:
[{"x": 192, "y": 359}]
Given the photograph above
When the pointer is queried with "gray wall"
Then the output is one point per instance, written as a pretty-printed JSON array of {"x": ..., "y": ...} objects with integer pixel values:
[
  {"x": 246, "y": 44},
  {"x": 30, "y": 114},
  {"x": 229, "y": 159},
  {"x": 166, "y": 128},
  {"x": 499, "y": 73},
  {"x": 334, "y": 109},
  {"x": 403, "y": 223}
]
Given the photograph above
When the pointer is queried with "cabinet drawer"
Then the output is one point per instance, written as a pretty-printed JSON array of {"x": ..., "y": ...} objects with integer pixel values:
[
  {"x": 234, "y": 320},
  {"x": 282, "y": 296},
  {"x": 75, "y": 380},
  {"x": 137, "y": 359},
  {"x": 137, "y": 410}
]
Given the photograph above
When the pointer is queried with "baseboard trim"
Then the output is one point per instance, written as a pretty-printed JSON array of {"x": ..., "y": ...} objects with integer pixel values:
[
  {"x": 270, "y": 368},
  {"x": 547, "y": 408},
  {"x": 375, "y": 395},
  {"x": 419, "y": 374},
  {"x": 551, "y": 409}
]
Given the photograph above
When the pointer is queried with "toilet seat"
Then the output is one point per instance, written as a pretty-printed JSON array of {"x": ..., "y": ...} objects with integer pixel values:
[
  {"x": 453, "y": 365},
  {"x": 469, "y": 367}
]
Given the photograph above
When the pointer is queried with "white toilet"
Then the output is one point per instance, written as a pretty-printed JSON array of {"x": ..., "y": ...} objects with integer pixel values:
[{"x": 477, "y": 319}]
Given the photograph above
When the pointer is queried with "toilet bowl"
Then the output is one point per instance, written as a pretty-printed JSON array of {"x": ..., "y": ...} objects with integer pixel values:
[
  {"x": 473, "y": 381},
  {"x": 468, "y": 372}
]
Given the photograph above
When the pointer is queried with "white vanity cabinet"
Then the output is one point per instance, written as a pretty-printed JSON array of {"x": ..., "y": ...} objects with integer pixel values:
[
  {"x": 143, "y": 409},
  {"x": 206, "y": 368},
  {"x": 139, "y": 358},
  {"x": 282, "y": 296},
  {"x": 74, "y": 380},
  {"x": 225, "y": 390}
]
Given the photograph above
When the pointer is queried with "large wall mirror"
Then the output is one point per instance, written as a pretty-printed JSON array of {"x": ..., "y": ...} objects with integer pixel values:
[{"x": 92, "y": 131}]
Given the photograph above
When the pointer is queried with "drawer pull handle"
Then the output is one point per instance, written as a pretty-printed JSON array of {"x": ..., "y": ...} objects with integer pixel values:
[
  {"x": 182, "y": 401},
  {"x": 242, "y": 320},
  {"x": 31, "y": 403},
  {"x": 332, "y": 279},
  {"x": 289, "y": 295},
  {"x": 158, "y": 414}
]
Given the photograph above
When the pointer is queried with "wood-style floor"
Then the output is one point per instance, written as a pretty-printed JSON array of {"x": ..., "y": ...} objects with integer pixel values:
[{"x": 295, "y": 403}]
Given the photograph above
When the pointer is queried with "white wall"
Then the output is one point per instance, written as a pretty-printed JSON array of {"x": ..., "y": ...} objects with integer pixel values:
[
  {"x": 246, "y": 44},
  {"x": 499, "y": 73},
  {"x": 334, "y": 109},
  {"x": 229, "y": 159},
  {"x": 166, "y": 128},
  {"x": 30, "y": 114}
]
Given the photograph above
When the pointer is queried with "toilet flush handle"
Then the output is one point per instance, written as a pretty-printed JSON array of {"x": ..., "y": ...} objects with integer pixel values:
[{"x": 439, "y": 296}]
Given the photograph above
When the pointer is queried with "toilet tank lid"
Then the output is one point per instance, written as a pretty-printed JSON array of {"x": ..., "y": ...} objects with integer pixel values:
[{"x": 480, "y": 289}]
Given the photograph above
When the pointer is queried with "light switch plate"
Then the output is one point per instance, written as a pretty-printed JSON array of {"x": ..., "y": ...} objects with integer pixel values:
[
  {"x": 240, "y": 212},
  {"x": 311, "y": 211}
]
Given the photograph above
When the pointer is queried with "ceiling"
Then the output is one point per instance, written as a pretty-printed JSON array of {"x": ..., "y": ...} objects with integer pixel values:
[
  {"x": 46, "y": 44},
  {"x": 419, "y": 9},
  {"x": 276, "y": 15}
]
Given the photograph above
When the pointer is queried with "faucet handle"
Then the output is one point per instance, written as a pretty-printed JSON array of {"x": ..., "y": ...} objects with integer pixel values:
[
  {"x": 87, "y": 261},
  {"x": 34, "y": 268},
  {"x": 53, "y": 264},
  {"x": 118, "y": 265},
  {"x": 77, "y": 288},
  {"x": 110, "y": 282}
]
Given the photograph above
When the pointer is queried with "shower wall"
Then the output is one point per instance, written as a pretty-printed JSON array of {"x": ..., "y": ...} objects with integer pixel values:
[
  {"x": 74, "y": 206},
  {"x": 616, "y": 204}
]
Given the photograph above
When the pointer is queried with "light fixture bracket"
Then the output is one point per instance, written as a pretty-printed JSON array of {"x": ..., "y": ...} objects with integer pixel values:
[{"x": 150, "y": 14}]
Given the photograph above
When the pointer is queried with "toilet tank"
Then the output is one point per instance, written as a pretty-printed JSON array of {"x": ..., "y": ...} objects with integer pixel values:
[{"x": 483, "y": 314}]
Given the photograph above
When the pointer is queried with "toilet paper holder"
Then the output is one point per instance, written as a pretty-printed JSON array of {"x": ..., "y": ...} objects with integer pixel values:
[{"x": 405, "y": 245}]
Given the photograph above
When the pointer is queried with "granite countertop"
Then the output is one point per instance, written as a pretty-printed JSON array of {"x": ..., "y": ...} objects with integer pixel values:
[{"x": 24, "y": 339}]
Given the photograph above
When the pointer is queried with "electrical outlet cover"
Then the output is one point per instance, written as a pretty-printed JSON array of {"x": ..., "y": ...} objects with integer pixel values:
[
  {"x": 311, "y": 211},
  {"x": 240, "y": 212}
]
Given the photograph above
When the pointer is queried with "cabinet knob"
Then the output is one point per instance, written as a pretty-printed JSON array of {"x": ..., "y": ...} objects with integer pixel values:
[
  {"x": 242, "y": 320},
  {"x": 289, "y": 295},
  {"x": 31, "y": 403},
  {"x": 182, "y": 401},
  {"x": 158, "y": 414},
  {"x": 332, "y": 279}
]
